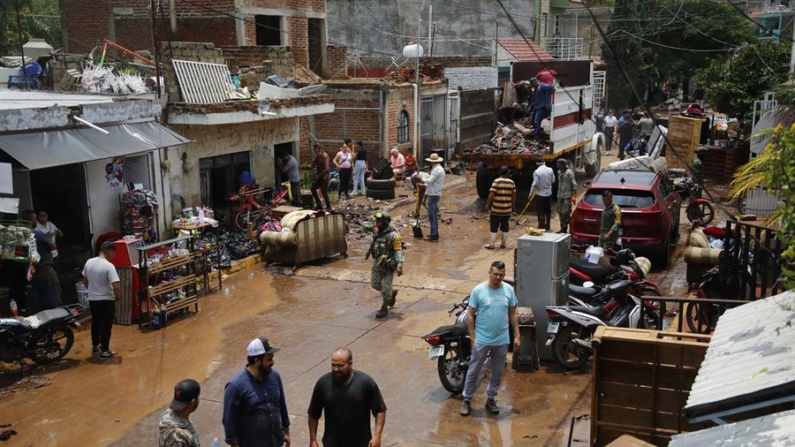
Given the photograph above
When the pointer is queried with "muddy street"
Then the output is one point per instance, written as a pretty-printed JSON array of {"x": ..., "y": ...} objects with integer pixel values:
[{"x": 87, "y": 401}]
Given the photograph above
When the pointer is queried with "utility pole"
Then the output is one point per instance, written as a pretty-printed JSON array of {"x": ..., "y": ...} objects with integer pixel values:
[{"x": 153, "y": 6}]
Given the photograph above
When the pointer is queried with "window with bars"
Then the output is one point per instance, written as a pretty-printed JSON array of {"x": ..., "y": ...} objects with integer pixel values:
[{"x": 403, "y": 127}]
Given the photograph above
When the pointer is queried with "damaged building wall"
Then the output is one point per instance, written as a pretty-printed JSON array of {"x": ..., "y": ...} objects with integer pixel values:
[
  {"x": 258, "y": 139},
  {"x": 391, "y": 24},
  {"x": 356, "y": 116},
  {"x": 399, "y": 99}
]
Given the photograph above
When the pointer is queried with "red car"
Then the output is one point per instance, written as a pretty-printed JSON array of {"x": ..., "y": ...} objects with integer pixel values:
[{"x": 649, "y": 212}]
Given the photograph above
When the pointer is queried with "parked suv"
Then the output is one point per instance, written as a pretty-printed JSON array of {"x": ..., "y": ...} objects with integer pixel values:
[{"x": 649, "y": 211}]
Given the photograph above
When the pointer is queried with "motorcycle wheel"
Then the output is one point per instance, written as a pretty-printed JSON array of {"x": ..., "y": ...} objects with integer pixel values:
[
  {"x": 52, "y": 346},
  {"x": 567, "y": 354},
  {"x": 709, "y": 317},
  {"x": 452, "y": 372},
  {"x": 702, "y": 213},
  {"x": 651, "y": 318}
]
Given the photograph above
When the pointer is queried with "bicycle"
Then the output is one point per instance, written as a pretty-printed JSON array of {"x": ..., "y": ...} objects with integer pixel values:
[{"x": 256, "y": 212}]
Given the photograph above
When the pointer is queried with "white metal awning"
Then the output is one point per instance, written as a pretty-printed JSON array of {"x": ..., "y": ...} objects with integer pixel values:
[{"x": 39, "y": 150}]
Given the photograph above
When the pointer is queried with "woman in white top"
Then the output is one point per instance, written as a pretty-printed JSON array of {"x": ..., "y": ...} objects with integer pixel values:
[{"x": 344, "y": 162}]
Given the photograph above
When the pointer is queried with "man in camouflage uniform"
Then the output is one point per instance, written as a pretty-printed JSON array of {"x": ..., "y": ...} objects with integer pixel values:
[
  {"x": 567, "y": 194},
  {"x": 176, "y": 429},
  {"x": 611, "y": 222},
  {"x": 387, "y": 252}
]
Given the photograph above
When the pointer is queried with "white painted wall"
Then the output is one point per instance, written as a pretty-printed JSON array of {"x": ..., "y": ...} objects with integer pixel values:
[{"x": 103, "y": 201}]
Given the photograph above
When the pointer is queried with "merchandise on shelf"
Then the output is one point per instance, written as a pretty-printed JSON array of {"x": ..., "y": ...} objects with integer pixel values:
[
  {"x": 137, "y": 212},
  {"x": 15, "y": 241}
]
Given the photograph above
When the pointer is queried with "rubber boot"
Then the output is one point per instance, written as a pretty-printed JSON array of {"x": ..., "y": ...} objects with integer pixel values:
[
  {"x": 391, "y": 302},
  {"x": 382, "y": 312}
]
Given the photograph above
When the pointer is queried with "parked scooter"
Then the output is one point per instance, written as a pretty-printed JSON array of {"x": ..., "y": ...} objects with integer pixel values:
[
  {"x": 699, "y": 210},
  {"x": 451, "y": 346},
  {"x": 45, "y": 337},
  {"x": 623, "y": 265},
  {"x": 571, "y": 328}
]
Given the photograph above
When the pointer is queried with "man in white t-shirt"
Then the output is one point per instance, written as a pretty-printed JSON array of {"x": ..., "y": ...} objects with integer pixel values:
[
  {"x": 49, "y": 229},
  {"x": 102, "y": 282},
  {"x": 610, "y": 127},
  {"x": 543, "y": 178}
]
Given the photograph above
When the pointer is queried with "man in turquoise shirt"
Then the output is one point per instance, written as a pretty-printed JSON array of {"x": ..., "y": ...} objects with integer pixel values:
[{"x": 495, "y": 305}]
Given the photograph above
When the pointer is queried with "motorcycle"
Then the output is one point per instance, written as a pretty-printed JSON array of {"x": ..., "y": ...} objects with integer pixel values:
[
  {"x": 571, "y": 328},
  {"x": 451, "y": 347},
  {"x": 623, "y": 265},
  {"x": 45, "y": 337},
  {"x": 699, "y": 210}
]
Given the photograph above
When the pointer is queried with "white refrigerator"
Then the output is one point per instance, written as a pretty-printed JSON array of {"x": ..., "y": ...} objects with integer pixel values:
[{"x": 542, "y": 279}]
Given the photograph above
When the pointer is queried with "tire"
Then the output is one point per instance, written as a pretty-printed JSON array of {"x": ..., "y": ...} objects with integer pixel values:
[
  {"x": 52, "y": 346},
  {"x": 380, "y": 185},
  {"x": 566, "y": 353},
  {"x": 701, "y": 213},
  {"x": 379, "y": 194},
  {"x": 692, "y": 311},
  {"x": 663, "y": 254},
  {"x": 593, "y": 168},
  {"x": 256, "y": 217},
  {"x": 452, "y": 371},
  {"x": 483, "y": 181}
]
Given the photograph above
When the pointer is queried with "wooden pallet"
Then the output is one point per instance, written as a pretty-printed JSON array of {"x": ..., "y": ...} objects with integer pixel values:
[
  {"x": 168, "y": 264},
  {"x": 641, "y": 382}
]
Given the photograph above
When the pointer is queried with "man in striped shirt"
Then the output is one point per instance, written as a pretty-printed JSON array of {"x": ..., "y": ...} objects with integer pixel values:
[{"x": 501, "y": 201}]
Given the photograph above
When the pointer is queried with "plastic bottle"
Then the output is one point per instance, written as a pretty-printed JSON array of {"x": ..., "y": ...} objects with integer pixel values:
[
  {"x": 156, "y": 317},
  {"x": 163, "y": 316},
  {"x": 215, "y": 443},
  {"x": 12, "y": 306},
  {"x": 200, "y": 212}
]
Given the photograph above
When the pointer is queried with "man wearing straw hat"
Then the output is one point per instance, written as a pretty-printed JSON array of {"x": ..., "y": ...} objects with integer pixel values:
[{"x": 433, "y": 192}]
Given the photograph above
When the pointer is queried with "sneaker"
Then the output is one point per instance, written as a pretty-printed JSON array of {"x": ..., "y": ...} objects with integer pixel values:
[
  {"x": 492, "y": 407},
  {"x": 465, "y": 408},
  {"x": 95, "y": 348},
  {"x": 108, "y": 353},
  {"x": 608, "y": 153}
]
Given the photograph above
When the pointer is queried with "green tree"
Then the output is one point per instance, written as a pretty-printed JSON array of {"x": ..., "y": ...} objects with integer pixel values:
[
  {"x": 39, "y": 19},
  {"x": 666, "y": 40},
  {"x": 733, "y": 84}
]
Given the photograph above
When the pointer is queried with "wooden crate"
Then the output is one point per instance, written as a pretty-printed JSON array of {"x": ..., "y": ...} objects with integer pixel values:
[
  {"x": 721, "y": 162},
  {"x": 684, "y": 133},
  {"x": 641, "y": 382}
]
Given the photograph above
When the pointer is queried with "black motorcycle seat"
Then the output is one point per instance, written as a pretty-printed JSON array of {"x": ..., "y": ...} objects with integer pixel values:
[
  {"x": 454, "y": 330},
  {"x": 582, "y": 291},
  {"x": 597, "y": 312},
  {"x": 595, "y": 271},
  {"x": 47, "y": 318}
]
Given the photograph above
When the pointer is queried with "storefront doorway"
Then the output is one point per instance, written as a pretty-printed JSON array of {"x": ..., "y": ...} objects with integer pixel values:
[
  {"x": 61, "y": 191},
  {"x": 219, "y": 177}
]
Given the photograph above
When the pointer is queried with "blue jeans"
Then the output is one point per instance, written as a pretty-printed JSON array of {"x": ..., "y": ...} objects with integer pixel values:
[
  {"x": 433, "y": 214},
  {"x": 476, "y": 364},
  {"x": 538, "y": 115},
  {"x": 358, "y": 176}
]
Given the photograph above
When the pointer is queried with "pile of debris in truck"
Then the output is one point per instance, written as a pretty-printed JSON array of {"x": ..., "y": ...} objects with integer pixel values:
[{"x": 514, "y": 138}]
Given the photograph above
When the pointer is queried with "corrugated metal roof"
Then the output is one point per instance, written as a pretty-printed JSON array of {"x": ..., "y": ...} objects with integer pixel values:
[
  {"x": 525, "y": 51},
  {"x": 203, "y": 82},
  {"x": 751, "y": 356},
  {"x": 773, "y": 430}
]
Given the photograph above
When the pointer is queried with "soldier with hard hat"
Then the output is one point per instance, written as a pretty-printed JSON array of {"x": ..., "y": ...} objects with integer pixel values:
[{"x": 387, "y": 252}]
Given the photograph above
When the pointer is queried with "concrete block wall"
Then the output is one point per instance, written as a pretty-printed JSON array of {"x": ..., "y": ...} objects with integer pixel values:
[
  {"x": 471, "y": 78},
  {"x": 248, "y": 56}
]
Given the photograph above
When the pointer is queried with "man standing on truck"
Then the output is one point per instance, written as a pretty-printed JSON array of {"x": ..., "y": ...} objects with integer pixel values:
[
  {"x": 542, "y": 104},
  {"x": 543, "y": 178},
  {"x": 567, "y": 194}
]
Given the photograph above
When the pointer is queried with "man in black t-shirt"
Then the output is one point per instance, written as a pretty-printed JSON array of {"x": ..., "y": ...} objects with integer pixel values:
[{"x": 347, "y": 397}]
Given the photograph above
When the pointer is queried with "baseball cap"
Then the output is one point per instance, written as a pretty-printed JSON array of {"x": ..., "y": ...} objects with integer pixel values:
[
  {"x": 260, "y": 346},
  {"x": 184, "y": 392}
]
